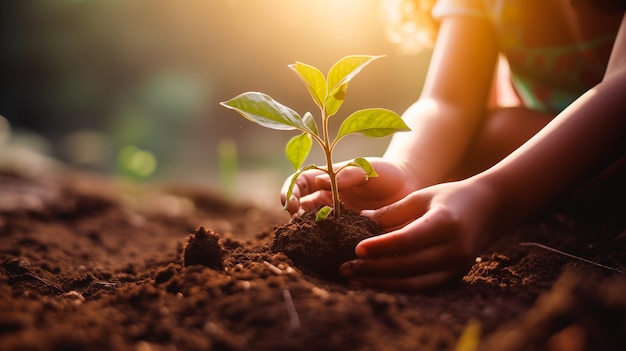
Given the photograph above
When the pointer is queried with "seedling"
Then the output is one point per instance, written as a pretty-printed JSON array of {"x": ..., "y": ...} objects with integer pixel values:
[{"x": 328, "y": 93}]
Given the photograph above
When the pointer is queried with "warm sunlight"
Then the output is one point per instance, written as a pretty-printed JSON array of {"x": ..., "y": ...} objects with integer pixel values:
[
  {"x": 149, "y": 75},
  {"x": 267, "y": 175}
]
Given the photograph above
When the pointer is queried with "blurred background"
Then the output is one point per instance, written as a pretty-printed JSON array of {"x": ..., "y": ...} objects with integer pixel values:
[{"x": 131, "y": 88}]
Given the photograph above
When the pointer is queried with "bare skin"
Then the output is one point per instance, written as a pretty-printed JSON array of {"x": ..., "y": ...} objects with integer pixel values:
[
  {"x": 434, "y": 228},
  {"x": 502, "y": 132}
]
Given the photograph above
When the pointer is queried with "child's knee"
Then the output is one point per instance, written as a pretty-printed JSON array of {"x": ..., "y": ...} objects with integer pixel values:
[{"x": 506, "y": 129}]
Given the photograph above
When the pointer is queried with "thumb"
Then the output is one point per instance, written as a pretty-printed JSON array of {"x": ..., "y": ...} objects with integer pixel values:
[
  {"x": 399, "y": 213},
  {"x": 347, "y": 178}
]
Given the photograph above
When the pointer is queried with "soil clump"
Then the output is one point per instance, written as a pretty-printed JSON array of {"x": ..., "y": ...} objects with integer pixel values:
[
  {"x": 204, "y": 248},
  {"x": 320, "y": 247}
]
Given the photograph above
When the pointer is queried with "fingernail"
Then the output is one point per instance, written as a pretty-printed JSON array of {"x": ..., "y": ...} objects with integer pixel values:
[
  {"x": 360, "y": 251},
  {"x": 367, "y": 213}
]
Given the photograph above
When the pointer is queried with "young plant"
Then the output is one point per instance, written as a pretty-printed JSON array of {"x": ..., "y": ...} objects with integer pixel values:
[{"x": 328, "y": 93}]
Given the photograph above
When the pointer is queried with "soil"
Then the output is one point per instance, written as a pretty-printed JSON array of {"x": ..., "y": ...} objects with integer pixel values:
[
  {"x": 89, "y": 263},
  {"x": 320, "y": 247}
]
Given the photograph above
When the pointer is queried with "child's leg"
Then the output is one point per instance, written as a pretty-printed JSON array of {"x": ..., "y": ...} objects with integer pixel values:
[
  {"x": 505, "y": 129},
  {"x": 502, "y": 131}
]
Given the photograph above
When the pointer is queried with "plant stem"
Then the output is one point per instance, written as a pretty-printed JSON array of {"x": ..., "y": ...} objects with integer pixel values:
[
  {"x": 329, "y": 167},
  {"x": 333, "y": 185}
]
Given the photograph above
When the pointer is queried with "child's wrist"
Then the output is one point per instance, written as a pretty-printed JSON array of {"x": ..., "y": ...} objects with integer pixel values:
[{"x": 503, "y": 215}]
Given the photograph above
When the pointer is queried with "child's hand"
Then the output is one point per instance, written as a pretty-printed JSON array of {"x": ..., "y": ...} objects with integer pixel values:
[
  {"x": 433, "y": 237},
  {"x": 312, "y": 189}
]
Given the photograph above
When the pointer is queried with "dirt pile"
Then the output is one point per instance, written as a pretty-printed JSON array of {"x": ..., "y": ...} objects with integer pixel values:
[{"x": 320, "y": 247}]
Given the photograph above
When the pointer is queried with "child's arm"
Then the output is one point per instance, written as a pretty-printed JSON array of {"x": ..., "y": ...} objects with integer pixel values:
[
  {"x": 436, "y": 232},
  {"x": 583, "y": 140},
  {"x": 443, "y": 123},
  {"x": 452, "y": 104}
]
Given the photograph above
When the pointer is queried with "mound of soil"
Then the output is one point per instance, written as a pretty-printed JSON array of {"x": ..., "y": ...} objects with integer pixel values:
[
  {"x": 94, "y": 264},
  {"x": 320, "y": 247},
  {"x": 204, "y": 248}
]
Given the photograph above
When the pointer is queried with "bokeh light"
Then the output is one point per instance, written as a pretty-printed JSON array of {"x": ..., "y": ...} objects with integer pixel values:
[{"x": 136, "y": 162}]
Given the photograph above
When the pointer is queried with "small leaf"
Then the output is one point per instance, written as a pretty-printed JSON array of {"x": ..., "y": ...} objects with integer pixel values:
[
  {"x": 314, "y": 81},
  {"x": 373, "y": 122},
  {"x": 309, "y": 122},
  {"x": 298, "y": 149},
  {"x": 345, "y": 69},
  {"x": 323, "y": 213},
  {"x": 334, "y": 102},
  {"x": 365, "y": 166},
  {"x": 262, "y": 109},
  {"x": 339, "y": 75},
  {"x": 293, "y": 182}
]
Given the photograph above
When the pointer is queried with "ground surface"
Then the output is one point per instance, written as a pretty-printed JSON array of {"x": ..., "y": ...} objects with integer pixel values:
[{"x": 91, "y": 264}]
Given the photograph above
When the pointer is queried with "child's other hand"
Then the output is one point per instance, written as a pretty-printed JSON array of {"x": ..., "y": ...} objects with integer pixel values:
[
  {"x": 356, "y": 191},
  {"x": 433, "y": 237}
]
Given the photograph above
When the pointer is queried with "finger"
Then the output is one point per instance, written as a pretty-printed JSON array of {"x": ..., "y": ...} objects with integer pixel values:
[
  {"x": 433, "y": 228},
  {"x": 431, "y": 260},
  {"x": 293, "y": 205},
  {"x": 315, "y": 201},
  {"x": 400, "y": 212},
  {"x": 408, "y": 285},
  {"x": 304, "y": 185},
  {"x": 347, "y": 178},
  {"x": 351, "y": 176}
]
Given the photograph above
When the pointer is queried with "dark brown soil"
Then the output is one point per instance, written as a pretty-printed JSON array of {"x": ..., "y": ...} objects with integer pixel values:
[
  {"x": 96, "y": 264},
  {"x": 320, "y": 247},
  {"x": 204, "y": 248}
]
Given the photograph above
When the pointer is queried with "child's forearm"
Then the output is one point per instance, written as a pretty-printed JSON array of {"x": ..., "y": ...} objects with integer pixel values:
[
  {"x": 577, "y": 144},
  {"x": 452, "y": 102},
  {"x": 440, "y": 135}
]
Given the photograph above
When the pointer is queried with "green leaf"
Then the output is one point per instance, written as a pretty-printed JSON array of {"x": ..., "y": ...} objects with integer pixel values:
[
  {"x": 323, "y": 213},
  {"x": 339, "y": 75},
  {"x": 293, "y": 182},
  {"x": 309, "y": 122},
  {"x": 262, "y": 109},
  {"x": 298, "y": 149},
  {"x": 334, "y": 102},
  {"x": 365, "y": 166},
  {"x": 345, "y": 69},
  {"x": 469, "y": 340},
  {"x": 314, "y": 81},
  {"x": 373, "y": 122}
]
